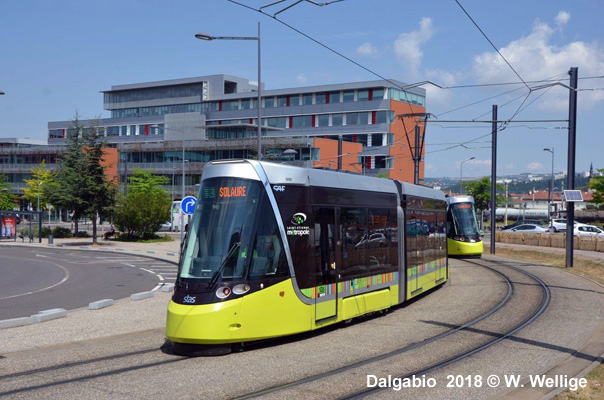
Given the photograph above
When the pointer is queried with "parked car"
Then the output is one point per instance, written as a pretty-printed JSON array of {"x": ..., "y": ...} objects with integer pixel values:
[
  {"x": 559, "y": 224},
  {"x": 528, "y": 228},
  {"x": 588, "y": 230},
  {"x": 165, "y": 226},
  {"x": 522, "y": 222}
]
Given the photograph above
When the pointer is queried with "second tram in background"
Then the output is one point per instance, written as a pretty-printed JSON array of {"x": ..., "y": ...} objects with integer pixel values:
[{"x": 464, "y": 238}]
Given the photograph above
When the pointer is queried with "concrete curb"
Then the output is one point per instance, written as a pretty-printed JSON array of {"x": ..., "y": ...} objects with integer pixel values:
[
  {"x": 168, "y": 287},
  {"x": 97, "y": 305},
  {"x": 48, "y": 315},
  {"x": 15, "y": 322},
  {"x": 141, "y": 296}
]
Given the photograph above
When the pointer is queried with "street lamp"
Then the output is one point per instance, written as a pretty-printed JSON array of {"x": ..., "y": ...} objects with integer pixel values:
[
  {"x": 205, "y": 36},
  {"x": 461, "y": 172},
  {"x": 551, "y": 189}
]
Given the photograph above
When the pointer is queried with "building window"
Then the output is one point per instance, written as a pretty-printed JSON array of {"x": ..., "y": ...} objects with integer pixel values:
[
  {"x": 378, "y": 94},
  {"x": 278, "y": 122},
  {"x": 304, "y": 121},
  {"x": 377, "y": 139},
  {"x": 269, "y": 102},
  {"x": 381, "y": 117},
  {"x": 307, "y": 99},
  {"x": 334, "y": 97},
  {"x": 324, "y": 120},
  {"x": 113, "y": 131},
  {"x": 348, "y": 96},
  {"x": 357, "y": 118},
  {"x": 363, "y": 95},
  {"x": 231, "y": 105},
  {"x": 320, "y": 98},
  {"x": 294, "y": 100},
  {"x": 245, "y": 104},
  {"x": 337, "y": 119},
  {"x": 282, "y": 101}
]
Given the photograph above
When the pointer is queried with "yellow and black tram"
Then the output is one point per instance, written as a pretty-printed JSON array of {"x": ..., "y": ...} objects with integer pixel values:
[
  {"x": 276, "y": 250},
  {"x": 464, "y": 238}
]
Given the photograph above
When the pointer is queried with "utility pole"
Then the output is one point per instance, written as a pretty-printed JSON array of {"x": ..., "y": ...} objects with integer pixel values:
[
  {"x": 416, "y": 157},
  {"x": 572, "y": 142},
  {"x": 493, "y": 177}
]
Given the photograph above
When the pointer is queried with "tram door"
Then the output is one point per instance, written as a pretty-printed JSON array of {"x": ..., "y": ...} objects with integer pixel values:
[{"x": 326, "y": 301}]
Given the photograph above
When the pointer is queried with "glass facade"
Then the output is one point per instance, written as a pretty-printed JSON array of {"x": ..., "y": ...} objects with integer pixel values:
[
  {"x": 400, "y": 95},
  {"x": 168, "y": 92}
]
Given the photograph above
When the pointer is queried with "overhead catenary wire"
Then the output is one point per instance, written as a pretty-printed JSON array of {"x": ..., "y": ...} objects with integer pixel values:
[{"x": 491, "y": 43}]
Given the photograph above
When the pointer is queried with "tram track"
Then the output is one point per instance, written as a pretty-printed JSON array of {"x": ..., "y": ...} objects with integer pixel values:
[{"x": 535, "y": 313}]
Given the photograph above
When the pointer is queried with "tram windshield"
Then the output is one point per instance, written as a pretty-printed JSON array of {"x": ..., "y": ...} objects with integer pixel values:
[
  {"x": 234, "y": 234},
  {"x": 462, "y": 220}
]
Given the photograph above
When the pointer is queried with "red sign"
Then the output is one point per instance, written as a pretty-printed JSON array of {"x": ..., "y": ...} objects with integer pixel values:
[{"x": 9, "y": 228}]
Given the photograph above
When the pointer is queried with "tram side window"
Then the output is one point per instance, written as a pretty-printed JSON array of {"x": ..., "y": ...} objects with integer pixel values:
[
  {"x": 354, "y": 242},
  {"x": 412, "y": 227},
  {"x": 268, "y": 256},
  {"x": 381, "y": 240}
]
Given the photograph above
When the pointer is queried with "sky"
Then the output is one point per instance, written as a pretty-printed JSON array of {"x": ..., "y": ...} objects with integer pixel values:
[{"x": 57, "y": 56}]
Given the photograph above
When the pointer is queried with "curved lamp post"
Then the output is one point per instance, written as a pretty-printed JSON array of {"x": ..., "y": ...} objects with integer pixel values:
[
  {"x": 205, "y": 36},
  {"x": 461, "y": 172},
  {"x": 551, "y": 189}
]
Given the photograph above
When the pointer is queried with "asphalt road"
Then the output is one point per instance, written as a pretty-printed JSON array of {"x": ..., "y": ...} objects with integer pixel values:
[
  {"x": 40, "y": 279},
  {"x": 138, "y": 364}
]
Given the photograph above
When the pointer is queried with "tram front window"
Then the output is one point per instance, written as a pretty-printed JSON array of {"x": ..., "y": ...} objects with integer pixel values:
[
  {"x": 462, "y": 220},
  {"x": 233, "y": 235}
]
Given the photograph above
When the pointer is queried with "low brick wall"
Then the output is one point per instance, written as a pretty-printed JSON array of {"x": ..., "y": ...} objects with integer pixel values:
[{"x": 553, "y": 240}]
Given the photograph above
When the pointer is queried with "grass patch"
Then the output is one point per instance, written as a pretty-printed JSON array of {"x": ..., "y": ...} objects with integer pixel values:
[
  {"x": 585, "y": 267},
  {"x": 155, "y": 239},
  {"x": 593, "y": 391}
]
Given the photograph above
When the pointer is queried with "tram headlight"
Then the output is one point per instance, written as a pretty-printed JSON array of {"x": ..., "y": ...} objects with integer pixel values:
[
  {"x": 223, "y": 292},
  {"x": 241, "y": 289}
]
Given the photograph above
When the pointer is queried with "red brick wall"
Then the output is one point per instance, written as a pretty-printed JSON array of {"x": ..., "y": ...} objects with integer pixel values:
[
  {"x": 403, "y": 163},
  {"x": 329, "y": 155}
]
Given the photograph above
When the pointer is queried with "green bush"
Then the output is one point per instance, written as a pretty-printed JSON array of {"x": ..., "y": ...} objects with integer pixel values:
[
  {"x": 60, "y": 232},
  {"x": 136, "y": 221},
  {"x": 82, "y": 234},
  {"x": 34, "y": 231}
]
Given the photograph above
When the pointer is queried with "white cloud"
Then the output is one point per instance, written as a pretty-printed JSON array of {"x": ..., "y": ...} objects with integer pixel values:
[
  {"x": 534, "y": 57},
  {"x": 301, "y": 78},
  {"x": 534, "y": 166},
  {"x": 479, "y": 162},
  {"x": 440, "y": 98},
  {"x": 407, "y": 46},
  {"x": 366, "y": 49},
  {"x": 562, "y": 18}
]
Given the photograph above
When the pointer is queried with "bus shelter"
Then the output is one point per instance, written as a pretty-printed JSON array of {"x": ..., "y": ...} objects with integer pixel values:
[{"x": 11, "y": 222}]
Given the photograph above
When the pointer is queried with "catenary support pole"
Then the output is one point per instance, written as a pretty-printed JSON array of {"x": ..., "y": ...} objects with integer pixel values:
[
  {"x": 493, "y": 178},
  {"x": 572, "y": 142},
  {"x": 416, "y": 157}
]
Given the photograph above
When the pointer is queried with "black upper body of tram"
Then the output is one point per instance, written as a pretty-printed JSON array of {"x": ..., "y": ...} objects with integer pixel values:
[{"x": 234, "y": 246}]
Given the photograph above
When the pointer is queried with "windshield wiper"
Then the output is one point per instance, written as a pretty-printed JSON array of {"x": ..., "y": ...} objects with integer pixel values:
[{"x": 214, "y": 278}]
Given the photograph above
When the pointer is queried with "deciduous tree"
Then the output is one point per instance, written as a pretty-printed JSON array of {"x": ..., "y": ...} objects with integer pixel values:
[{"x": 597, "y": 183}]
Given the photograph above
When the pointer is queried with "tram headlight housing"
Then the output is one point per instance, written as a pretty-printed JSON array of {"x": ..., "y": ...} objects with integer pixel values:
[
  {"x": 223, "y": 292},
  {"x": 241, "y": 289}
]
